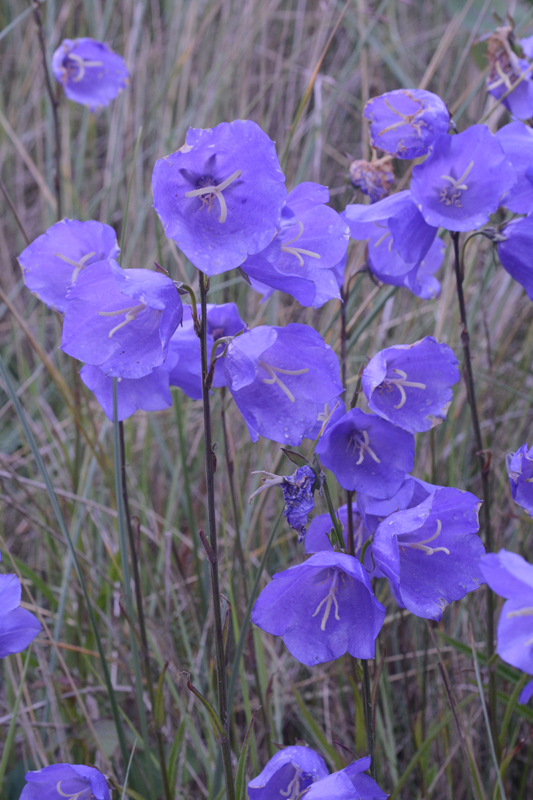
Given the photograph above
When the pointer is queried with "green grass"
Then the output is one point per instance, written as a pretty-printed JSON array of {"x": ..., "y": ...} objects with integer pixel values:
[{"x": 195, "y": 64}]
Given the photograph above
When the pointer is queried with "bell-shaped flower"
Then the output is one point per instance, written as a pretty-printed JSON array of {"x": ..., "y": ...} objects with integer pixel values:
[
  {"x": 507, "y": 71},
  {"x": 514, "y": 251},
  {"x": 150, "y": 393},
  {"x": 410, "y": 384},
  {"x": 220, "y": 196},
  {"x": 89, "y": 71},
  {"x": 388, "y": 267},
  {"x": 51, "y": 264},
  {"x": 121, "y": 320},
  {"x": 322, "y": 608},
  {"x": 431, "y": 553},
  {"x": 460, "y": 183},
  {"x": 405, "y": 122},
  {"x": 367, "y": 454},
  {"x": 300, "y": 260},
  {"x": 412, "y": 492},
  {"x": 18, "y": 627},
  {"x": 510, "y": 576},
  {"x": 374, "y": 178},
  {"x": 288, "y": 773},
  {"x": 516, "y": 140},
  {"x": 396, "y": 221},
  {"x": 317, "y": 537},
  {"x": 520, "y": 471},
  {"x": 66, "y": 780},
  {"x": 350, "y": 783},
  {"x": 278, "y": 376}
]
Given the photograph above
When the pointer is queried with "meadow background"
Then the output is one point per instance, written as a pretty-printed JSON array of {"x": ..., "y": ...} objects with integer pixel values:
[{"x": 197, "y": 63}]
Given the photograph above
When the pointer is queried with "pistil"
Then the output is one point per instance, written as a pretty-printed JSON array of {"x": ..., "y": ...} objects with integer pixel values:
[
  {"x": 76, "y": 795},
  {"x": 298, "y": 251},
  {"x": 400, "y": 383},
  {"x": 208, "y": 193},
  {"x": 363, "y": 446},
  {"x": 275, "y": 379},
  {"x": 131, "y": 314},
  {"x": 78, "y": 265},
  {"x": 451, "y": 195},
  {"x": 330, "y": 599},
  {"x": 81, "y": 64},
  {"x": 423, "y": 545},
  {"x": 293, "y": 789}
]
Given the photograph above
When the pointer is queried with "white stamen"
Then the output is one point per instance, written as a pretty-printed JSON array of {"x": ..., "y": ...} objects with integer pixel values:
[
  {"x": 298, "y": 251},
  {"x": 78, "y": 265},
  {"x": 400, "y": 383},
  {"x": 293, "y": 789},
  {"x": 364, "y": 447},
  {"x": 274, "y": 378},
  {"x": 208, "y": 193},
  {"x": 131, "y": 314},
  {"x": 81, "y": 63},
  {"x": 423, "y": 545},
  {"x": 329, "y": 600}
]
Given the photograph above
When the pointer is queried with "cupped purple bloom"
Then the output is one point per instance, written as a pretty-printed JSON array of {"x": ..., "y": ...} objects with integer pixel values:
[
  {"x": 66, "y": 780},
  {"x": 288, "y": 773},
  {"x": 511, "y": 576},
  {"x": 367, "y": 454},
  {"x": 301, "y": 259},
  {"x": 278, "y": 376},
  {"x": 515, "y": 252},
  {"x": 396, "y": 217},
  {"x": 121, "y": 320},
  {"x": 412, "y": 492},
  {"x": 405, "y": 122},
  {"x": 461, "y": 182},
  {"x": 89, "y": 71},
  {"x": 317, "y": 537},
  {"x": 350, "y": 783},
  {"x": 431, "y": 553},
  {"x": 410, "y": 384},
  {"x": 516, "y": 140},
  {"x": 520, "y": 471},
  {"x": 373, "y": 178},
  {"x": 150, "y": 393},
  {"x": 18, "y": 627},
  {"x": 220, "y": 196},
  {"x": 51, "y": 264},
  {"x": 322, "y": 608},
  {"x": 388, "y": 267}
]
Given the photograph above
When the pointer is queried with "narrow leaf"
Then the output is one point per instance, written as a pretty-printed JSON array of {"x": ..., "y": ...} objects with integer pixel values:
[
  {"x": 240, "y": 778},
  {"x": 218, "y": 728}
]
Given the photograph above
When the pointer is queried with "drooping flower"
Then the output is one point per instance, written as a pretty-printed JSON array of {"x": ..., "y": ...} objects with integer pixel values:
[
  {"x": 322, "y": 608},
  {"x": 431, "y": 553},
  {"x": 520, "y": 471},
  {"x": 66, "y": 780},
  {"x": 18, "y": 626},
  {"x": 388, "y": 267},
  {"x": 374, "y": 178},
  {"x": 278, "y": 376},
  {"x": 410, "y": 384},
  {"x": 507, "y": 70},
  {"x": 460, "y": 183},
  {"x": 89, "y": 71},
  {"x": 317, "y": 537},
  {"x": 288, "y": 773},
  {"x": 510, "y": 576},
  {"x": 350, "y": 783},
  {"x": 51, "y": 264},
  {"x": 301, "y": 258},
  {"x": 121, "y": 320},
  {"x": 514, "y": 251},
  {"x": 150, "y": 393},
  {"x": 516, "y": 140},
  {"x": 412, "y": 492},
  {"x": 220, "y": 196},
  {"x": 405, "y": 122},
  {"x": 367, "y": 454},
  {"x": 298, "y": 495}
]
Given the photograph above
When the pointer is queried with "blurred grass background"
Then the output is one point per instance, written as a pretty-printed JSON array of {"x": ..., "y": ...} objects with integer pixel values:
[{"x": 196, "y": 63}]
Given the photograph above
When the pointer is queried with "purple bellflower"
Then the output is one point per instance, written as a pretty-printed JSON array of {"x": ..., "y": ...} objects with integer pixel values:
[
  {"x": 462, "y": 180},
  {"x": 350, "y": 783},
  {"x": 220, "y": 196},
  {"x": 374, "y": 178},
  {"x": 410, "y": 384},
  {"x": 516, "y": 140},
  {"x": 367, "y": 454},
  {"x": 510, "y": 576},
  {"x": 278, "y": 376},
  {"x": 66, "y": 780},
  {"x": 520, "y": 471},
  {"x": 301, "y": 259},
  {"x": 51, "y": 264},
  {"x": 506, "y": 68},
  {"x": 411, "y": 493},
  {"x": 297, "y": 492},
  {"x": 89, "y": 71},
  {"x": 388, "y": 267},
  {"x": 121, "y": 320},
  {"x": 431, "y": 553},
  {"x": 322, "y": 608},
  {"x": 317, "y": 537},
  {"x": 514, "y": 252},
  {"x": 405, "y": 122},
  {"x": 18, "y": 627},
  {"x": 150, "y": 393},
  {"x": 287, "y": 774}
]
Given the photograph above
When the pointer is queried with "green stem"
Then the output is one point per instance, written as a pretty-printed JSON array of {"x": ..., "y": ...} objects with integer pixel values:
[
  {"x": 13, "y": 724},
  {"x": 367, "y": 707}
]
